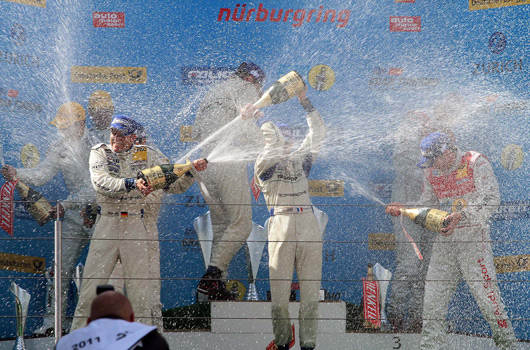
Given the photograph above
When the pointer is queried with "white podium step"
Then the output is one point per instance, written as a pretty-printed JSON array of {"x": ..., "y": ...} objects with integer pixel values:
[
  {"x": 347, "y": 341},
  {"x": 254, "y": 317}
]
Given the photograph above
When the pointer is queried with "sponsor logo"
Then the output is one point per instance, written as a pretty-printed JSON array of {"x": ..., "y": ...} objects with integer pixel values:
[
  {"x": 459, "y": 204},
  {"x": 395, "y": 79},
  {"x": 371, "y": 299},
  {"x": 321, "y": 77},
  {"x": 381, "y": 241},
  {"x": 496, "y": 107},
  {"x": 511, "y": 211},
  {"x": 512, "y": 157},
  {"x": 17, "y": 34},
  {"x": 8, "y": 92},
  {"x": 22, "y": 263},
  {"x": 405, "y": 24},
  {"x": 108, "y": 19},
  {"x": 37, "y": 3},
  {"x": 6, "y": 205},
  {"x": 331, "y": 296},
  {"x": 10, "y": 102},
  {"x": 512, "y": 263},
  {"x": 497, "y": 42},
  {"x": 29, "y": 155},
  {"x": 186, "y": 133},
  {"x": 111, "y": 75},
  {"x": 17, "y": 59},
  {"x": 488, "y": 4},
  {"x": 326, "y": 188},
  {"x": 491, "y": 294},
  {"x": 204, "y": 75},
  {"x": 190, "y": 243},
  {"x": 297, "y": 17},
  {"x": 498, "y": 67}
]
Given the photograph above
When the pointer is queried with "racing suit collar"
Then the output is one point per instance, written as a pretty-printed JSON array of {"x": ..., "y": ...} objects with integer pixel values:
[{"x": 458, "y": 160}]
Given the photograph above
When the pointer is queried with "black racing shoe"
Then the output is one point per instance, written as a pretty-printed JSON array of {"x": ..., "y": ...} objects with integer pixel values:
[{"x": 212, "y": 285}]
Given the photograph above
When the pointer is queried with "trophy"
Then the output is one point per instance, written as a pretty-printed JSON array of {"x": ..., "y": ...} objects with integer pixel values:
[
  {"x": 22, "y": 298},
  {"x": 203, "y": 227},
  {"x": 383, "y": 276},
  {"x": 322, "y": 219},
  {"x": 255, "y": 245},
  {"x": 78, "y": 276}
]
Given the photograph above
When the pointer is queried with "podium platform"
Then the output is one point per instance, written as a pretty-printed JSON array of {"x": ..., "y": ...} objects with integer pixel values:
[
  {"x": 347, "y": 341},
  {"x": 247, "y": 325},
  {"x": 254, "y": 317}
]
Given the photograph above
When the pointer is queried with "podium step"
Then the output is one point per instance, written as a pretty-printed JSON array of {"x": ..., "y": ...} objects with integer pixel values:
[{"x": 254, "y": 317}]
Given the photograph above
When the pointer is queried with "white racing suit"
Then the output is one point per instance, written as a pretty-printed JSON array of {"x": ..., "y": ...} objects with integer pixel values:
[
  {"x": 121, "y": 231},
  {"x": 70, "y": 157},
  {"x": 471, "y": 188},
  {"x": 295, "y": 239},
  {"x": 405, "y": 304},
  {"x": 151, "y": 212},
  {"x": 228, "y": 192}
]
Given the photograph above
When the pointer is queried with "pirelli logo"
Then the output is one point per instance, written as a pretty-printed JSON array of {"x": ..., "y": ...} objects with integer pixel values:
[
  {"x": 489, "y": 4},
  {"x": 38, "y": 3},
  {"x": 22, "y": 263},
  {"x": 326, "y": 188},
  {"x": 512, "y": 263},
  {"x": 185, "y": 133},
  {"x": 110, "y": 75},
  {"x": 381, "y": 241}
]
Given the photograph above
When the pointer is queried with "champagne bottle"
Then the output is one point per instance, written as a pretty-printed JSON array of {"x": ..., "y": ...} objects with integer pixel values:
[
  {"x": 283, "y": 89},
  {"x": 37, "y": 206},
  {"x": 161, "y": 176},
  {"x": 430, "y": 219}
]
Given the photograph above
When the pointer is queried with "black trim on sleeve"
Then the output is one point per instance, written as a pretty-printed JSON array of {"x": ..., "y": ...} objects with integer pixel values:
[{"x": 308, "y": 106}]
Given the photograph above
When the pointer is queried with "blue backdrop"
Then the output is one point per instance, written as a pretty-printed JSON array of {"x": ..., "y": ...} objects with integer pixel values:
[{"x": 388, "y": 57}]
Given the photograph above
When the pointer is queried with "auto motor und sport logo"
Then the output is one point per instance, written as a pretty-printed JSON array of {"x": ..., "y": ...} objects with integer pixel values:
[
  {"x": 497, "y": 42},
  {"x": 192, "y": 75},
  {"x": 405, "y": 24},
  {"x": 108, "y": 19}
]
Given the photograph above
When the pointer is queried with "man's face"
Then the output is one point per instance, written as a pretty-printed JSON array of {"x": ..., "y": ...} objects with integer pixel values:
[
  {"x": 445, "y": 161},
  {"x": 120, "y": 143},
  {"x": 101, "y": 116}
]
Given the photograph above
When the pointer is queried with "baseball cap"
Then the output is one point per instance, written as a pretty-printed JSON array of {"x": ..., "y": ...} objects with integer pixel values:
[
  {"x": 250, "y": 68},
  {"x": 433, "y": 146},
  {"x": 68, "y": 114},
  {"x": 125, "y": 124}
]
